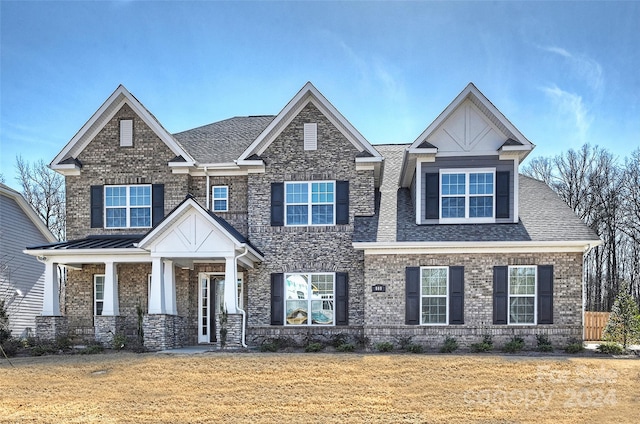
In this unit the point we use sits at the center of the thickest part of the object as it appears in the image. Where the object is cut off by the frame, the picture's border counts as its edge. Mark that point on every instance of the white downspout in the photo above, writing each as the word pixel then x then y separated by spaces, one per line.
pixel 244 314
pixel 207 188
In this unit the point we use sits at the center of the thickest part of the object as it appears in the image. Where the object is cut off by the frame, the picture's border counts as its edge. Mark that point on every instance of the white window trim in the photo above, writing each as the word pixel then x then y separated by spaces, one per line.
pixel 128 206
pixel 467 196
pixel 309 300
pixel 309 204
pixel 95 298
pixel 534 295
pixel 439 296
pixel 213 198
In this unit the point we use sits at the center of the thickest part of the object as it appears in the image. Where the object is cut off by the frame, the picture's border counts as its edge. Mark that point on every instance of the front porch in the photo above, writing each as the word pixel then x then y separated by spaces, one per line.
pixel 178 284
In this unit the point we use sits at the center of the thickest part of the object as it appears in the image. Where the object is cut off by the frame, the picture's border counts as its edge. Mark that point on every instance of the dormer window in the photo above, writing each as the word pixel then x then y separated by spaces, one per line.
pixel 467 195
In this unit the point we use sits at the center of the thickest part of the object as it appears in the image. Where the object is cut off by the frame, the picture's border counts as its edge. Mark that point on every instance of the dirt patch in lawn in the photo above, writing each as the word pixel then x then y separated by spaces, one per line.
pixel 352 388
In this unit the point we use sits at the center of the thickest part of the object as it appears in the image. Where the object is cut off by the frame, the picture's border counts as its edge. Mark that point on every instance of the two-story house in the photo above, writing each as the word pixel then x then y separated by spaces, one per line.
pixel 294 225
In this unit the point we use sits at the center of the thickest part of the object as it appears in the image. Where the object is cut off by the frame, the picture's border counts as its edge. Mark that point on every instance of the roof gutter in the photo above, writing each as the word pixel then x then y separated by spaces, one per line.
pixel 375 248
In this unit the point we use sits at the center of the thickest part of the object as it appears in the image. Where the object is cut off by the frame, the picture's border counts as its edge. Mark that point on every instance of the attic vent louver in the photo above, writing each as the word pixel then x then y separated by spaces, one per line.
pixel 126 132
pixel 310 136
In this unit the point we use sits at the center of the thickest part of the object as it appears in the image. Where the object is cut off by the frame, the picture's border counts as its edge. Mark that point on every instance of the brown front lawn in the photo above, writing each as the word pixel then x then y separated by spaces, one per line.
pixel 305 387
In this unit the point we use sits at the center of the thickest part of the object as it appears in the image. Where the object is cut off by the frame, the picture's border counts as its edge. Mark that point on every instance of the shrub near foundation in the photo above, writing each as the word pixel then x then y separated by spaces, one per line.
pixel 485 345
pixel 450 345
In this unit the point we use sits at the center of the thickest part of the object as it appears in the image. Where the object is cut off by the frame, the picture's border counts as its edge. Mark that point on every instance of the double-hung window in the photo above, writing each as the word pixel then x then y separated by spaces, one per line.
pixel 220 198
pixel 467 195
pixel 433 295
pixel 127 206
pixel 309 298
pixel 310 203
pixel 98 294
pixel 522 294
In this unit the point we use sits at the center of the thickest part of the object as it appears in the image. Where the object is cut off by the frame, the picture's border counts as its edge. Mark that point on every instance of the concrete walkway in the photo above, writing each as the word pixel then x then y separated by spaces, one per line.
pixel 191 350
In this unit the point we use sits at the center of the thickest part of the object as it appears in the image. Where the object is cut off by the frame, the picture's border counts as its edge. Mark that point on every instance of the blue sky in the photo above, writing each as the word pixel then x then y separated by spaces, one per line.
pixel 564 73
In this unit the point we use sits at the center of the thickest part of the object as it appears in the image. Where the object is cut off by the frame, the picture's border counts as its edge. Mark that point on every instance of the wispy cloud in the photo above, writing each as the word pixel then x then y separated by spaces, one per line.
pixel 583 67
pixel 375 72
pixel 573 106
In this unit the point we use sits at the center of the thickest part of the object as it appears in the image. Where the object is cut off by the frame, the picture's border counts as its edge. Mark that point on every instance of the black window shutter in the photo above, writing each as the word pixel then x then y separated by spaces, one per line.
pixel 545 294
pixel 456 295
pixel 500 294
pixel 342 202
pixel 157 203
pixel 432 202
pixel 342 298
pixel 97 206
pixel 277 204
pixel 502 194
pixel 277 299
pixel 412 311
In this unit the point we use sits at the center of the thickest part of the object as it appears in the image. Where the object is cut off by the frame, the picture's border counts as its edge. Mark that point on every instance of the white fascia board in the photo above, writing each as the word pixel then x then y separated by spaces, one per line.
pixel 182 209
pixel 416 248
pixel 370 159
pixel 250 162
pixel 417 151
pixel 79 256
pixel 470 90
pixel 67 167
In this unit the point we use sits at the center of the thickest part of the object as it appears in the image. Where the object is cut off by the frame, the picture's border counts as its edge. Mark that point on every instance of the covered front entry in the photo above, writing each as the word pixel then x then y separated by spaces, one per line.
pixel 189 238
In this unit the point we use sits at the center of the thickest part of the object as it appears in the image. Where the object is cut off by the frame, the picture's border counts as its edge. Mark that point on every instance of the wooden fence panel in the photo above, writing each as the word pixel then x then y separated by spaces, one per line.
pixel 594 324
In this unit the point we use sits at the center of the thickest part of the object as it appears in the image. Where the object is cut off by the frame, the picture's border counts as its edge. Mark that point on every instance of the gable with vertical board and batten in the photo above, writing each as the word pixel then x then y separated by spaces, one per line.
pixel 470 137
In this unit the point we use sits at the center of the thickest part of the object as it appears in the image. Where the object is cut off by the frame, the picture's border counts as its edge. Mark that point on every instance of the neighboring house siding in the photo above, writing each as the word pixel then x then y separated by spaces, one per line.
pixel 385 311
pixel 308 249
pixel 23 272
pixel 105 162
pixel 467 162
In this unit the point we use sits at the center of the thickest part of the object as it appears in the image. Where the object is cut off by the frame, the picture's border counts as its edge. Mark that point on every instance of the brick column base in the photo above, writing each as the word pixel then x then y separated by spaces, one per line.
pixel 106 327
pixel 51 327
pixel 163 331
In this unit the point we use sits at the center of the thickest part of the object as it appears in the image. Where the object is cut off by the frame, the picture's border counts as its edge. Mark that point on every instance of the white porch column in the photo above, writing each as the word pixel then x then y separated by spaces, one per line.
pixel 51 300
pixel 170 288
pixel 111 305
pixel 156 294
pixel 230 285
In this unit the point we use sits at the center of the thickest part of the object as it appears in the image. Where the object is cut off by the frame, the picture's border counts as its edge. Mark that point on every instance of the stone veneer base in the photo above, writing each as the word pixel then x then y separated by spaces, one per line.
pixel 51 327
pixel 106 327
pixel 163 331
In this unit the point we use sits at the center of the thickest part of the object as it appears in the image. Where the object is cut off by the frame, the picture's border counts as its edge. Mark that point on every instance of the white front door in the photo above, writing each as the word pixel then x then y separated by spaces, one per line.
pixel 210 294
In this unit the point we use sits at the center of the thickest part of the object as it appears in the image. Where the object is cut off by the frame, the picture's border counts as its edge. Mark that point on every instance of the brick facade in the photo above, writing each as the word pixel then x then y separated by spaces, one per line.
pixel 385 311
pixel 105 162
pixel 376 316
pixel 306 249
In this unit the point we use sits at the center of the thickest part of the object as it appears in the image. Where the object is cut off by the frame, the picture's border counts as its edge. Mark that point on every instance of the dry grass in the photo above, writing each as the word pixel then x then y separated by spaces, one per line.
pixel 352 388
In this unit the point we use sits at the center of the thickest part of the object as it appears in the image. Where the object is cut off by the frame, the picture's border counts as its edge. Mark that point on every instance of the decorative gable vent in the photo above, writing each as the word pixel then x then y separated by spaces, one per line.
pixel 126 133
pixel 310 136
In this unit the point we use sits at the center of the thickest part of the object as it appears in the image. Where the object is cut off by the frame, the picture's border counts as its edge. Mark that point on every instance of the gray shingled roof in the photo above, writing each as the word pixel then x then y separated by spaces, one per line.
pixel 543 215
pixel 224 141
pixel 547 217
